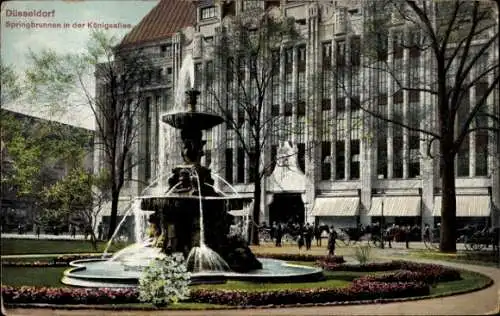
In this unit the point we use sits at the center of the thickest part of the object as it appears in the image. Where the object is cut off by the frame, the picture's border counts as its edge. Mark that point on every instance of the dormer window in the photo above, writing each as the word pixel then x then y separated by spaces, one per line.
pixel 208 12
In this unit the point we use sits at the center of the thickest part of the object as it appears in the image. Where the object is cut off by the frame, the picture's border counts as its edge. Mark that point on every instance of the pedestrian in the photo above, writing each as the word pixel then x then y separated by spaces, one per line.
pixel 331 241
pixel 73 231
pixel 427 232
pixel 308 234
pixel 407 236
pixel 317 235
pixel 279 235
pixel 300 241
pixel 99 231
pixel 37 231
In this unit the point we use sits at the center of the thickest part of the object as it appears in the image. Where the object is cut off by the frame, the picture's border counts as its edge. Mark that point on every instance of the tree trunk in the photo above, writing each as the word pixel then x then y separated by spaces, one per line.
pixel 256 203
pixel 448 203
pixel 114 214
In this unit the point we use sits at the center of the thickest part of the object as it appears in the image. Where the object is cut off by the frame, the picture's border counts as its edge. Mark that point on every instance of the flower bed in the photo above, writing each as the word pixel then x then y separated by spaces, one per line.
pixel 27 294
pixel 60 261
pixel 355 292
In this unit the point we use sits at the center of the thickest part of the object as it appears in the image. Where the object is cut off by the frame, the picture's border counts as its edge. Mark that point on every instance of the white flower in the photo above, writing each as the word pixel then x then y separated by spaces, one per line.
pixel 165 280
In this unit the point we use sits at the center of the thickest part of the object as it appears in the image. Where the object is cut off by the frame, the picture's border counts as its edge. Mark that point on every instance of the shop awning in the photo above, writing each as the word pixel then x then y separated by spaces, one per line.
pixel 395 206
pixel 336 206
pixel 238 213
pixel 467 206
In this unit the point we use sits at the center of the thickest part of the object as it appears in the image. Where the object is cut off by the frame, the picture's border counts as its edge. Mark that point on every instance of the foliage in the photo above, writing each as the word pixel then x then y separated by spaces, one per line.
pixel 165 281
pixel 9 80
pixel 362 253
pixel 35 150
pixel 117 105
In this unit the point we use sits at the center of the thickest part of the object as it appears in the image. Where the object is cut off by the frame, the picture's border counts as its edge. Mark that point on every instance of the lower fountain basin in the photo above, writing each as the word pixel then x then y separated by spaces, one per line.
pixel 106 273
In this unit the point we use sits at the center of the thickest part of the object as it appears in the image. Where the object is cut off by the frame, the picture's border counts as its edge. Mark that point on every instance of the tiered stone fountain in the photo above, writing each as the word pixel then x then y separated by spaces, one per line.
pixel 191 218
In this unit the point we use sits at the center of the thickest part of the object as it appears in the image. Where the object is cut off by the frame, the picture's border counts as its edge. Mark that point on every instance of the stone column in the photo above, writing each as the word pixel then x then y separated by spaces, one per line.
pixel 333 103
pixel 282 91
pixel 472 136
pixel 366 144
pixel 427 122
pixel 347 83
pixel 295 94
pixel 494 138
pixel 406 99
pixel 390 111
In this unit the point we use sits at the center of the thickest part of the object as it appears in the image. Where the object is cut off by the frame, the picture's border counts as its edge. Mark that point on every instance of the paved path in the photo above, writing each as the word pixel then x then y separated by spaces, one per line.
pixel 482 302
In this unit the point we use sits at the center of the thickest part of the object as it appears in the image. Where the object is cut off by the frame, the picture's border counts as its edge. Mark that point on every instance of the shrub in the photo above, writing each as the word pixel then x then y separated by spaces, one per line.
pixel 164 281
pixel 363 253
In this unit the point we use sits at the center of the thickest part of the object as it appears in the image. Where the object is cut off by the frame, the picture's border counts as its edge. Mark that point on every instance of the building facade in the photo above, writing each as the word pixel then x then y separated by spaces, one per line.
pixel 340 166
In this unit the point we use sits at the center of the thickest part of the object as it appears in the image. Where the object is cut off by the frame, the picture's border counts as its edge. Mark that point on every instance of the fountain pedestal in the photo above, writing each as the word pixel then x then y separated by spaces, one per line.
pixel 192 192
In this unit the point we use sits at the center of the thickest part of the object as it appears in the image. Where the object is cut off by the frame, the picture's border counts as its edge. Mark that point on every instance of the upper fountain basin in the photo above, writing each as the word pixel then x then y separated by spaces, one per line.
pixel 192 120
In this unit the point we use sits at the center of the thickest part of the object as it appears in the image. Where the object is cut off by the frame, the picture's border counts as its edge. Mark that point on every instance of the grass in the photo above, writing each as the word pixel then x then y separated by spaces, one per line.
pixel 485 258
pixel 470 281
pixel 39 246
pixel 19 276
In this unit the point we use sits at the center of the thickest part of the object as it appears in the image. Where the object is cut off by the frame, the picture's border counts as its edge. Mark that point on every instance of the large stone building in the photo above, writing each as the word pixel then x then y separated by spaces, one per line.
pixel 352 173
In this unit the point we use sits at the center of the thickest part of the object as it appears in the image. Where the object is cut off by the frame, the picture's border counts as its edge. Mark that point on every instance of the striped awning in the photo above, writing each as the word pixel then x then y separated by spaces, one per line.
pixel 395 206
pixel 467 206
pixel 336 206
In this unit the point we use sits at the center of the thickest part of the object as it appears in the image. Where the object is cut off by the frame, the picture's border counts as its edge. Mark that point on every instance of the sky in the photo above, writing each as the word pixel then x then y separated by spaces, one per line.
pixel 61 25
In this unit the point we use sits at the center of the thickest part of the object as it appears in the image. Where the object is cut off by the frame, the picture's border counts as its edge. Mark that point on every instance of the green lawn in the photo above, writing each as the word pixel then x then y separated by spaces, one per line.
pixel 485 258
pixel 19 276
pixel 39 246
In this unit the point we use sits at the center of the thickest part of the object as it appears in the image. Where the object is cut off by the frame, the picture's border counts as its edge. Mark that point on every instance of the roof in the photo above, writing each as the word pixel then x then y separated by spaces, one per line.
pixel 164 20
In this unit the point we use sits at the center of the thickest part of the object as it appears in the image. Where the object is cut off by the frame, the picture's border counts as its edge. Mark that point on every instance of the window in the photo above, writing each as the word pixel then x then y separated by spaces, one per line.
pixel 197 76
pixel 340 160
pixel 288 60
pixel 482 153
pixel 302 156
pixel 356 51
pixel 301 52
pixel 301 93
pixel 463 159
pixel 166 50
pixel 208 12
pixel 327 56
pixel 275 110
pixel 340 51
pixel 326 172
pixel 355 150
pixel 252 172
pixel 398 141
pixel 241 165
pixel 147 143
pixel 229 165
pixel 209 77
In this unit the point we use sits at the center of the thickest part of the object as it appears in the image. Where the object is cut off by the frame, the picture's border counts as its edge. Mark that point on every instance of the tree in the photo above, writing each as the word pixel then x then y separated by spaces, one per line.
pixel 456 39
pixel 11 87
pixel 35 150
pixel 80 195
pixel 118 104
pixel 246 59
